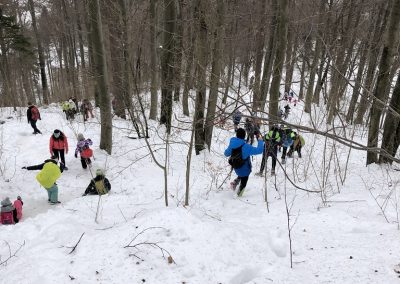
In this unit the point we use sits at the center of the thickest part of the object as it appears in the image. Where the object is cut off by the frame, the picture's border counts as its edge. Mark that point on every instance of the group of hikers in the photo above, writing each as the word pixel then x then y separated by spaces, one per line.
pixel 52 168
pixel 278 139
pixel 71 107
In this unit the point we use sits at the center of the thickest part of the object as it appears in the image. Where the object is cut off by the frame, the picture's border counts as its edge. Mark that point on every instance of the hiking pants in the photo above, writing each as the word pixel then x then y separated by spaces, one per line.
pixel 52 192
pixel 85 162
pixel 243 182
pixel 35 129
pixel 268 153
pixel 284 151
pixel 59 154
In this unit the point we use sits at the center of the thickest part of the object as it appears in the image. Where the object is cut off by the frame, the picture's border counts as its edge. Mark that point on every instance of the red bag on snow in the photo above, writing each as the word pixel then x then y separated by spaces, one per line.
pixel 7 218
pixel 87 153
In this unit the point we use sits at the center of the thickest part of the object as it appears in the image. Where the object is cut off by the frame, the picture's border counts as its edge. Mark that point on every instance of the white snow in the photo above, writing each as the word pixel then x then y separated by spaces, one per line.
pixel 218 238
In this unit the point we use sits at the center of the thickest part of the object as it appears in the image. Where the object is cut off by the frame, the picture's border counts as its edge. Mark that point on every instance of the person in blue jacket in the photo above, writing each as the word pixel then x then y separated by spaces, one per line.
pixel 287 141
pixel 247 150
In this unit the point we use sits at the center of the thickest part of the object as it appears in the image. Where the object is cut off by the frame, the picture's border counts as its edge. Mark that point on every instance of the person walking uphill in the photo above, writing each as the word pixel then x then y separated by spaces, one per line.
pixel 240 152
pixel 33 116
pixel 82 147
pixel 58 146
pixel 49 173
pixel 272 141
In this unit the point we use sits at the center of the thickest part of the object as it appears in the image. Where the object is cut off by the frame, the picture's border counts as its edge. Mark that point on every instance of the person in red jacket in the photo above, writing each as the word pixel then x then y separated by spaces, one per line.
pixel 59 145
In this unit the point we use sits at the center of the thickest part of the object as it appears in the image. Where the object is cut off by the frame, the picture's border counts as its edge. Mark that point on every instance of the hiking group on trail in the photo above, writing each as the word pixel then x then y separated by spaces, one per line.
pixel 278 139
pixel 51 169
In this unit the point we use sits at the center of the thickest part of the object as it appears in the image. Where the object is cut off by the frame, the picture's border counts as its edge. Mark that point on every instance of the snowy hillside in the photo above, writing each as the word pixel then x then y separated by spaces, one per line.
pixel 219 238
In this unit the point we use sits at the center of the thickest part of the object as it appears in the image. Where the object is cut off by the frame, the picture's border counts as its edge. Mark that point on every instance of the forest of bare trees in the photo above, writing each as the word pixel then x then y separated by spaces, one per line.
pixel 205 55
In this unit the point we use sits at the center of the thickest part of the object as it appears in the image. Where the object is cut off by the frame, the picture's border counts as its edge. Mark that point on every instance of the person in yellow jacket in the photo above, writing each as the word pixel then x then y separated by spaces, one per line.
pixel 47 177
pixel 66 108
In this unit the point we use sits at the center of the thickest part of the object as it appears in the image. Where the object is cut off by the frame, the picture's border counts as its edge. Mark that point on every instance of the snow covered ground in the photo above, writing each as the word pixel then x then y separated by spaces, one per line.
pixel 218 238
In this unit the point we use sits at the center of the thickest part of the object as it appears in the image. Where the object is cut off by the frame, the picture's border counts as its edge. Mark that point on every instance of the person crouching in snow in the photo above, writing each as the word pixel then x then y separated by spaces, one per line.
pixel 82 147
pixel 240 153
pixel 11 214
pixel 99 185
pixel 49 173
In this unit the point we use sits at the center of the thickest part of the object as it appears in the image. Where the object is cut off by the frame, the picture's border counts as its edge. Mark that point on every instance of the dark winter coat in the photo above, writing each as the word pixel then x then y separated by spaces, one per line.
pixel 91 189
pixel 247 151
pixel 40 166
pixel 29 113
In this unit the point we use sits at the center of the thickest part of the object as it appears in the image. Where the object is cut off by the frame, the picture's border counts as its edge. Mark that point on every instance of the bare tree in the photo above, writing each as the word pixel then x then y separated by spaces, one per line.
pixel 101 75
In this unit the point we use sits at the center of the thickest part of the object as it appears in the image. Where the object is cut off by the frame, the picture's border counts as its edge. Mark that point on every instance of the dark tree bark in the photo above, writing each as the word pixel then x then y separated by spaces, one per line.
pixel 201 57
pixel 390 41
pixel 100 69
pixel 282 21
pixel 153 61
pixel 42 63
pixel 390 139
pixel 167 62
pixel 215 74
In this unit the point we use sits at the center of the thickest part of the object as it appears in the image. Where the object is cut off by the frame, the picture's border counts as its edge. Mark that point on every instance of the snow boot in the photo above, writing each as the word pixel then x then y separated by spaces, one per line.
pixel 260 174
pixel 272 172
pixel 234 184
pixel 283 161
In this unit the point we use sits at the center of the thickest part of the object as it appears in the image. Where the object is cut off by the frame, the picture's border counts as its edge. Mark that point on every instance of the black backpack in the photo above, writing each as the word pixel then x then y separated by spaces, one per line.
pixel 236 160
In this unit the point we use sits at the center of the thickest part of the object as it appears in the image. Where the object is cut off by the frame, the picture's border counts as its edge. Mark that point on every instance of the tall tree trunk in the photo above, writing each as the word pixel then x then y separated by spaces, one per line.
pixel 42 63
pixel 178 52
pixel 201 44
pixel 167 69
pixel 215 74
pixel 153 61
pixel 391 125
pixel 373 47
pixel 390 42
pixel 268 59
pixel 259 52
pixel 100 68
pixel 357 85
pixel 282 21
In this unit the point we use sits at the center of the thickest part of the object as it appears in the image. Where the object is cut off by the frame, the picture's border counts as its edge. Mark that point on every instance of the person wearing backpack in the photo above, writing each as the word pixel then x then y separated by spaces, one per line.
pixel 33 116
pixel 58 145
pixel 272 141
pixel 11 214
pixel 239 152
pixel 49 173
pixel 83 149
pixel 99 185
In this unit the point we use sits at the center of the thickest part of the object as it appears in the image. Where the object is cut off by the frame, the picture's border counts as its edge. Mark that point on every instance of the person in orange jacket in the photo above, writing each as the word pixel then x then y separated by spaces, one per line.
pixel 58 146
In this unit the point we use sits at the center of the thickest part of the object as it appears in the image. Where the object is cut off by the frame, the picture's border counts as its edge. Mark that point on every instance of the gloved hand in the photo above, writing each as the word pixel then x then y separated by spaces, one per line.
pixel 76 155
pixel 24 168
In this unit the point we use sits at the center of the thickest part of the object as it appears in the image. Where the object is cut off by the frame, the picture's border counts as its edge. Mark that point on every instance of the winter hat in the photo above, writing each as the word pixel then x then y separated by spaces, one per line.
pixel 99 172
pixel 57 133
pixel 81 137
pixel 6 205
pixel 240 133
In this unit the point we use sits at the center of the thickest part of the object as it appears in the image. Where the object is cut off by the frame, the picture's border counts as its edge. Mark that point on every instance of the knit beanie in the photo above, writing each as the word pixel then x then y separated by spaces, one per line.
pixel 240 133
pixel 81 137
pixel 99 172
pixel 6 205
